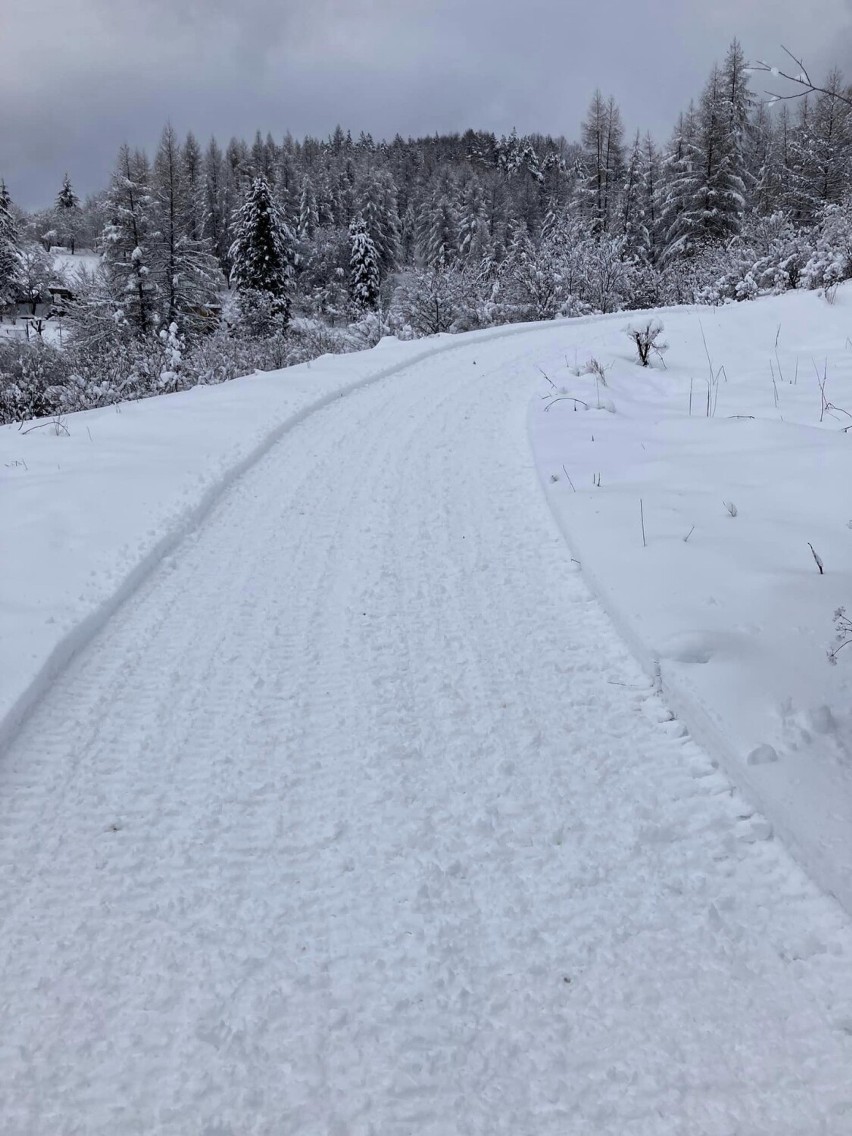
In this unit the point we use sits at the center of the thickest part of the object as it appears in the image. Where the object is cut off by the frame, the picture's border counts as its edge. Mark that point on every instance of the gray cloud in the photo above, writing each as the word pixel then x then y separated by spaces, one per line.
pixel 105 71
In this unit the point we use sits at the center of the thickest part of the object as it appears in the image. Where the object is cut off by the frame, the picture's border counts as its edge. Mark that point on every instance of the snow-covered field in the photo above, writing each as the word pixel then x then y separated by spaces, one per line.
pixel 69 264
pixel 357 816
pixel 733 609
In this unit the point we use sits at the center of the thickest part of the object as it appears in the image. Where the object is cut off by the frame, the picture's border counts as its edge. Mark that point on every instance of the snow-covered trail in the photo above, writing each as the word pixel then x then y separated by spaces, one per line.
pixel 359 819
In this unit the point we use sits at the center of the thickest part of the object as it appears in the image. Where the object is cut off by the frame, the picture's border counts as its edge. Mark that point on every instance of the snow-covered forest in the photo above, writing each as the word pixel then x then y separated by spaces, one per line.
pixel 215 262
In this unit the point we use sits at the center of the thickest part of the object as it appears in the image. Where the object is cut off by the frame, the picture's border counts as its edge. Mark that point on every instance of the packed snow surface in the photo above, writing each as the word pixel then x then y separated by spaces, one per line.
pixel 358 816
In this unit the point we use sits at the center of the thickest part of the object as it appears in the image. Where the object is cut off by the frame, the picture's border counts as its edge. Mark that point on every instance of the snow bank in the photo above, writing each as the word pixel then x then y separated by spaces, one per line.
pixel 729 610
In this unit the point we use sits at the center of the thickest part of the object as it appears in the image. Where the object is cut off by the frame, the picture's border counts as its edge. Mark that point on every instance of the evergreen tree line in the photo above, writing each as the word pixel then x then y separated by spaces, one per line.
pixel 452 232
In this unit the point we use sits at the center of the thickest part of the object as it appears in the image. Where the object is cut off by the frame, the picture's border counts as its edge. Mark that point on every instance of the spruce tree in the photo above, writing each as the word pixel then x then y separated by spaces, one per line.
pixel 67 218
pixel 364 265
pixel 377 206
pixel 262 253
pixel 67 198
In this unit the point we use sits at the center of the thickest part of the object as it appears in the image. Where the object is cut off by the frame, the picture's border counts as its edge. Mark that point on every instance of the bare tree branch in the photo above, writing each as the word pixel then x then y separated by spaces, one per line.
pixel 801 80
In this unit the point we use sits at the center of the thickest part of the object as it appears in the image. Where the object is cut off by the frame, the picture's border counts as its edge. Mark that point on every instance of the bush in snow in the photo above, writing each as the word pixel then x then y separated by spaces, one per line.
pixel 646 338
pixel 830 262
pixel 431 301
pixel 842 634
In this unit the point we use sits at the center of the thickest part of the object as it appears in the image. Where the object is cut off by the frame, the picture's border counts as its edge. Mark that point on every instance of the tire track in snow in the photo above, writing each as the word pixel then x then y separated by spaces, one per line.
pixel 343 825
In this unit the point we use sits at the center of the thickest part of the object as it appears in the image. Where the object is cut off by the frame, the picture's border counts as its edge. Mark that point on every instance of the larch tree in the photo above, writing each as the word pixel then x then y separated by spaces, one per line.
pixel 308 210
pixel 650 195
pixel 184 269
pixel 217 212
pixel 10 250
pixel 192 175
pixel 720 198
pixel 603 161
pixel 126 240
pixel 633 225
pixel 822 150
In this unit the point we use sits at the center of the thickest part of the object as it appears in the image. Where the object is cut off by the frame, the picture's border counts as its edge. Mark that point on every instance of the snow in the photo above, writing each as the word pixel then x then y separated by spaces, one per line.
pixel 357 815
pixel 69 264
pixel 89 509
pixel 726 600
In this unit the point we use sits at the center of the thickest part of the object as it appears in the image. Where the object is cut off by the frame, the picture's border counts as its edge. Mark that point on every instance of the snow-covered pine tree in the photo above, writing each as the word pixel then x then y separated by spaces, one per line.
pixel 325 201
pixel 603 161
pixel 437 237
pixel 10 250
pixel 763 162
pixel 308 211
pixel 217 208
pixel 650 196
pixel 720 198
pixel 473 237
pixel 126 240
pixel 739 102
pixel 822 151
pixel 377 206
pixel 364 265
pixel 262 254
pixel 67 198
pixel 633 226
pixel 183 268
pixel 408 234
pixel 67 218
pixel 192 172
pixel 264 158
pixel 679 222
pixel 285 187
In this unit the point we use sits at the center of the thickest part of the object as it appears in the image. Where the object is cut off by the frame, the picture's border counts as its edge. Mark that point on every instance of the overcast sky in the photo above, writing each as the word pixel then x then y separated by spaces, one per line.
pixel 78 77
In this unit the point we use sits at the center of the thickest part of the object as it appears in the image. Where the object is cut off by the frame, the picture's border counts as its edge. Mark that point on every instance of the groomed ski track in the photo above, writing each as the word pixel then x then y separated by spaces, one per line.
pixel 358 818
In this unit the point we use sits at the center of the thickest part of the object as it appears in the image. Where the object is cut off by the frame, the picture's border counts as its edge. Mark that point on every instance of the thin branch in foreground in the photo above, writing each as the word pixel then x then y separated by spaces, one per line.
pixel 566 398
pixel 801 80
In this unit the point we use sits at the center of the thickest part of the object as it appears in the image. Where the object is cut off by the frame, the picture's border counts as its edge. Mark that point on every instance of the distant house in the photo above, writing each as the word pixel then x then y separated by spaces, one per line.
pixel 61 296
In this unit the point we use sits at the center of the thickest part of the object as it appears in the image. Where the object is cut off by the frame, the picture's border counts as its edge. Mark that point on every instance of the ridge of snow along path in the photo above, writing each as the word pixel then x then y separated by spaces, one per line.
pixel 358 817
